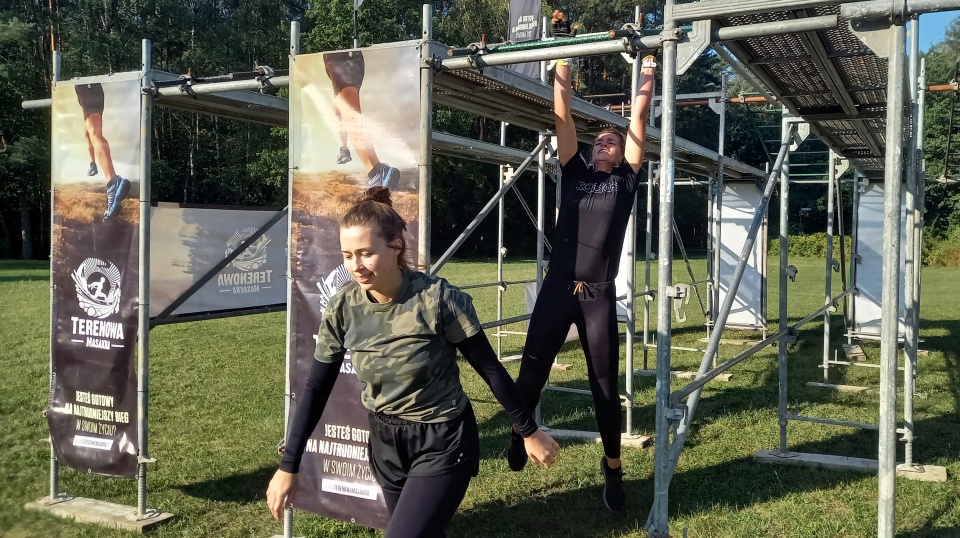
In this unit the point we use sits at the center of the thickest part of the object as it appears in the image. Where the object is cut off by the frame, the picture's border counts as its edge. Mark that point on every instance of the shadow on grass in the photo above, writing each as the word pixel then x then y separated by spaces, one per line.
pixel 738 484
pixel 240 489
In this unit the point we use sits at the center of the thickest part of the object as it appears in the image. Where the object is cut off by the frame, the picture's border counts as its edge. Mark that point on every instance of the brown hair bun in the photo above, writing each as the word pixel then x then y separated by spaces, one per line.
pixel 377 194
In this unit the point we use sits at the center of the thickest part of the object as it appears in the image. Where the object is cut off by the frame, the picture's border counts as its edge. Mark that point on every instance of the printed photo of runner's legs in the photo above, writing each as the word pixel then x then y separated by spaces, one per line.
pixel 90 97
pixel 346 70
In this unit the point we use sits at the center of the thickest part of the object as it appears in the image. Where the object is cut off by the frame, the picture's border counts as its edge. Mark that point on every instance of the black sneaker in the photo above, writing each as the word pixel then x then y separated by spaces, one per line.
pixel 344 156
pixel 122 190
pixel 92 171
pixel 516 453
pixel 613 495
pixel 383 175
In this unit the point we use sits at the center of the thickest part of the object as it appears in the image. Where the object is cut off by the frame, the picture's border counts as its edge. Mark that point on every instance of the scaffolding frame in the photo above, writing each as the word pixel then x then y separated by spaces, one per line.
pixel 850 123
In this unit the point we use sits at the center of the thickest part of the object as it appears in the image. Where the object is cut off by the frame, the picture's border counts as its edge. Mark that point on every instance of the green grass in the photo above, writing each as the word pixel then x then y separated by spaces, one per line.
pixel 216 416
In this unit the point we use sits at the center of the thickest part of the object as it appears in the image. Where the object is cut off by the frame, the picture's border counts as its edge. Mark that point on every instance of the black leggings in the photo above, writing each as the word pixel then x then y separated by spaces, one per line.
pixel 592 308
pixel 426 504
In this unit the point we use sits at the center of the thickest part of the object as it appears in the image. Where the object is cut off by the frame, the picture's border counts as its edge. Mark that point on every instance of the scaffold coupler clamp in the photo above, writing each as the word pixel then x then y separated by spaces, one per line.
pixel 677 413
pixel 146 459
pixel 671 35
pixel 680 293
pixel 433 62
pixel 790 336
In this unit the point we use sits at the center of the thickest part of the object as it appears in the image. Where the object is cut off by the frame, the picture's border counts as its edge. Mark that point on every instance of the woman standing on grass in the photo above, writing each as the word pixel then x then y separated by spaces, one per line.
pixel 403 329
pixel 595 204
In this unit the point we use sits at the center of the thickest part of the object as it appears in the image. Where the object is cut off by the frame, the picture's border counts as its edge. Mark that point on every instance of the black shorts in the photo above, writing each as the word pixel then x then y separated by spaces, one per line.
pixel 90 97
pixel 400 448
pixel 345 69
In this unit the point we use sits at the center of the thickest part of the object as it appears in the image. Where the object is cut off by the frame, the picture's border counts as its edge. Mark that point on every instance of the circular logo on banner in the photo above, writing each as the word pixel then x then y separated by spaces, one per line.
pixel 98 287
pixel 255 256
pixel 331 285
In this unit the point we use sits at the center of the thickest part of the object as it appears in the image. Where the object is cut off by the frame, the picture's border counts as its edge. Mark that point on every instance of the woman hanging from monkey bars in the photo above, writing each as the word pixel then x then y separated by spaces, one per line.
pixel 595 204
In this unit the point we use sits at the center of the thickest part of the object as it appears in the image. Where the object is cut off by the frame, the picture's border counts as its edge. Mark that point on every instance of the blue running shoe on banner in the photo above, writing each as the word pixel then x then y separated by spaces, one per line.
pixel 121 192
pixel 384 175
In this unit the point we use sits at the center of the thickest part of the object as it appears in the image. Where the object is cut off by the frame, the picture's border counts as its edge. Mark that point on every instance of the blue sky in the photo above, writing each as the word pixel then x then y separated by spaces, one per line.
pixel 933 26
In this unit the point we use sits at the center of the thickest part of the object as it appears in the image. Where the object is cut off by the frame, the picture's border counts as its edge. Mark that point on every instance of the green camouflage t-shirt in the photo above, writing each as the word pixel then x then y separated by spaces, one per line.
pixel 403 351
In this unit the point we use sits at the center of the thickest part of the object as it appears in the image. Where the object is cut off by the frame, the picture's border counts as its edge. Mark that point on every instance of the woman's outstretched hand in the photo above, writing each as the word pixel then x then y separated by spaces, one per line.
pixel 541 448
pixel 280 492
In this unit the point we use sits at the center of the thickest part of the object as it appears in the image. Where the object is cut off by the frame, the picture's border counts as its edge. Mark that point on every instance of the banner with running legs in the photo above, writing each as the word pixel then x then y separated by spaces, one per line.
pixel 354 123
pixel 92 411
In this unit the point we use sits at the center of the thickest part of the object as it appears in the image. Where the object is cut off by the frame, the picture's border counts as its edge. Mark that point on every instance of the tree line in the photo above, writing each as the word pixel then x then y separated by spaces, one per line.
pixel 204 159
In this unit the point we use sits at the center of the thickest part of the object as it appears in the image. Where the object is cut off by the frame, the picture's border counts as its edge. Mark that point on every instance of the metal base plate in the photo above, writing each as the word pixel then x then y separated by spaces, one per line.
pixel 103 513
pixel 928 473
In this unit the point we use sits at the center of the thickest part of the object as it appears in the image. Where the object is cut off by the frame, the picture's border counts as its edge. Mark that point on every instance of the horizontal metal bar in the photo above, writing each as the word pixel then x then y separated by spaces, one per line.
pixel 832 422
pixel 505 321
pixel 883 9
pixel 491 284
pixel 718 9
pixel 510 333
pixel 219 87
pixel 728 33
pixel 560 51
pixel 765 29
pixel 861 364
pixel 565 389
pixel 186 318
pixel 698 383
pixel 862 425
pixel 37 103
pixel 654 346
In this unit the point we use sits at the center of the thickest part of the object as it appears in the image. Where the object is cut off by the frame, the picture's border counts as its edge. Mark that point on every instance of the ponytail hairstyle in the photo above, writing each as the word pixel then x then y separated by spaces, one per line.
pixel 375 209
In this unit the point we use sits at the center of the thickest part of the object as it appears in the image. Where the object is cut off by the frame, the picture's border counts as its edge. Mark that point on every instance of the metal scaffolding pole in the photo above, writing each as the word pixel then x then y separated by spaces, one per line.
pixel 424 187
pixel 890 298
pixel 921 184
pixel 631 240
pixel 501 251
pixel 54 462
pixel 782 299
pixel 828 278
pixel 658 523
pixel 143 301
pixel 292 142
pixel 718 209
pixel 911 263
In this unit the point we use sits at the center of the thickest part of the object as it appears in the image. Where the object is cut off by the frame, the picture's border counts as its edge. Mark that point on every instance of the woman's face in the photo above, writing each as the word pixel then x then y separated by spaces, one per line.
pixel 606 149
pixel 368 257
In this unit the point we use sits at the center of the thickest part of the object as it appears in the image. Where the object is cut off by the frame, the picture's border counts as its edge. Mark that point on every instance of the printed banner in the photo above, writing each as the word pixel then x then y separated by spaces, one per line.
pixel 92 412
pixel 186 243
pixel 868 278
pixel 740 202
pixel 355 122
pixel 524 25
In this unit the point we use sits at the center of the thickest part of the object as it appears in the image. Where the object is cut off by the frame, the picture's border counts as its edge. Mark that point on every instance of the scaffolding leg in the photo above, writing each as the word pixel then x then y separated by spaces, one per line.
pixel 890 298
